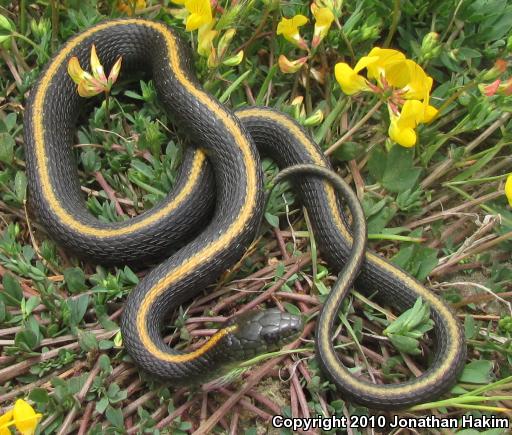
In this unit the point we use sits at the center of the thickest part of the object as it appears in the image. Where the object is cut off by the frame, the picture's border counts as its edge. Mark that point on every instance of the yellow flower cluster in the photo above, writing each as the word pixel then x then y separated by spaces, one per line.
pixel 289 29
pixel 198 16
pixel 93 84
pixel 400 81
pixel 22 417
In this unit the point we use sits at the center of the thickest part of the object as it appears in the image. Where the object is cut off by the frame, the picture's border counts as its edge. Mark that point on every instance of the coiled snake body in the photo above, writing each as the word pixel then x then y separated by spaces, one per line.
pixel 226 151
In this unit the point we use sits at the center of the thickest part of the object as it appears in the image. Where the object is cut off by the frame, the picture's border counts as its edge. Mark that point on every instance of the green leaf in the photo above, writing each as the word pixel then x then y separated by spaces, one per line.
pixel 115 416
pixel 469 327
pixel 101 405
pixel 273 220
pixel 39 395
pixel 31 303
pixel 6 147
pixel 26 340
pixel 10 121
pixel 75 279
pixel 104 363
pixel 477 372
pixel 6 28
pixel 77 308
pixel 416 259
pixel 90 161
pixel 400 173
pixel 12 294
pixel 87 341
pixel 378 221
pixel 105 344
pixel 5 24
pixel 405 344
pixel 134 95
pixel 292 309
pixel 3 311
pixel 233 86
pixel 20 186
pixel 377 163
pixel 348 151
pixel 130 276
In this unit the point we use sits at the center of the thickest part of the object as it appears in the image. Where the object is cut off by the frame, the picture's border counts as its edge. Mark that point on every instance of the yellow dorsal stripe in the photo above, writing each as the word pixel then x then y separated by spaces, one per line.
pixel 245 214
pixel 42 158
pixel 421 291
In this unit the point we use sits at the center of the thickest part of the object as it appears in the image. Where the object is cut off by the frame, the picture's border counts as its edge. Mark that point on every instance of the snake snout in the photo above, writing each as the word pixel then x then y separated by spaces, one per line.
pixel 279 328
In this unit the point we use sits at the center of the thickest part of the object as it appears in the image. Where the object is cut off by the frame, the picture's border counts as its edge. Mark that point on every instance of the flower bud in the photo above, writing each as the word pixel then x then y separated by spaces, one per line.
pixel 314 119
pixel 491 89
pixel 506 88
pixel 234 60
pixel 213 60
pixel 297 101
pixel 369 31
pixel 41 28
pixel 225 41
pixel 430 46
pixel 498 69
pixel 290 66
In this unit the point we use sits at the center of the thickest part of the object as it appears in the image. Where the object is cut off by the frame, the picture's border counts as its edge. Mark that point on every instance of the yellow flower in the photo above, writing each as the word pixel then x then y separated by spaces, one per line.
pixel 408 76
pixel 289 28
pixel 349 79
pixel 508 189
pixel 129 6
pixel 200 14
pixel 401 82
pixel 429 112
pixel 402 126
pixel 91 85
pixel 290 66
pixel 5 422
pixel 389 68
pixel 379 60
pixel 25 418
pixel 323 20
pixel 205 37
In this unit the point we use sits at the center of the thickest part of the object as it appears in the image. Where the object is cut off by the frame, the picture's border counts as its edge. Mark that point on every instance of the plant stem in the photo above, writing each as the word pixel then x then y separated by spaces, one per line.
pixel 55 23
pixel 476 180
pixel 24 38
pixel 107 109
pixel 482 206
pixel 394 23
pixel 395 237
pixel 23 16
pixel 443 167
pixel 356 127
pixel 454 96
pixel 347 42
pixel 309 104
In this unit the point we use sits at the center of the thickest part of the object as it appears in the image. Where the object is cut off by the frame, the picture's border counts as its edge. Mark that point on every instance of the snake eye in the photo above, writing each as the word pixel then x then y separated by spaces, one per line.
pixel 280 328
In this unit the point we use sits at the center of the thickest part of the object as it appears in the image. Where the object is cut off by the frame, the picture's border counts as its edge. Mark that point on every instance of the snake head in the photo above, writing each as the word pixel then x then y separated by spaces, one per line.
pixel 263 331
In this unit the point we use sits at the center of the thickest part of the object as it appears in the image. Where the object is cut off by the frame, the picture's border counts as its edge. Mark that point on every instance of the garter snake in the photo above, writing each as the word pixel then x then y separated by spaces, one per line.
pixel 228 156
